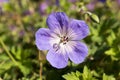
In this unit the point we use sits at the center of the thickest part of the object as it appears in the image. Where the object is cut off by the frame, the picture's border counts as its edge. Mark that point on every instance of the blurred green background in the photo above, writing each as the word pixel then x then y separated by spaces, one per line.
pixel 21 60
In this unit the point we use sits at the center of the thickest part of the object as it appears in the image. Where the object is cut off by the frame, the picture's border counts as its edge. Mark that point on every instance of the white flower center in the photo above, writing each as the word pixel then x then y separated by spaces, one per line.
pixel 63 41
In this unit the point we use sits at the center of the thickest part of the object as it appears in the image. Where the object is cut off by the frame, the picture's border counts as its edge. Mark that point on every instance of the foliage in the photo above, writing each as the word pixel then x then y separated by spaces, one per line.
pixel 86 75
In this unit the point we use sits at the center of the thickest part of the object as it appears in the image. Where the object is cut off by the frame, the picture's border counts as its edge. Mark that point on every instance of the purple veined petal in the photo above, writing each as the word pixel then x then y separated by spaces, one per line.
pixel 78 53
pixel 77 30
pixel 43 36
pixel 57 58
pixel 57 22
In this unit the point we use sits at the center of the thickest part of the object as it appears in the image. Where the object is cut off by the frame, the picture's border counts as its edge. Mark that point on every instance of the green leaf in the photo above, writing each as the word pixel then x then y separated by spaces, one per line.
pixel 113 53
pixel 72 76
pixel 24 69
pixel 111 38
pixel 3 57
pixel 110 52
pixel 78 73
pixel 86 74
pixel 7 7
pixel 5 65
pixel 106 77
pixel 16 52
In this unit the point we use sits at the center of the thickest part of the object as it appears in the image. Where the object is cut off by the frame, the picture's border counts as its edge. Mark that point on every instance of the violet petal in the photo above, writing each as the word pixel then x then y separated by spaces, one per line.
pixel 77 30
pixel 43 36
pixel 57 59
pixel 79 53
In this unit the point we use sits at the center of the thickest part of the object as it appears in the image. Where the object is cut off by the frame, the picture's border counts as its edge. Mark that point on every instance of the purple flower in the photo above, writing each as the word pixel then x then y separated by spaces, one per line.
pixel 57 3
pixel 62 40
pixel 27 12
pixel 91 5
pixel 43 6
pixel 102 1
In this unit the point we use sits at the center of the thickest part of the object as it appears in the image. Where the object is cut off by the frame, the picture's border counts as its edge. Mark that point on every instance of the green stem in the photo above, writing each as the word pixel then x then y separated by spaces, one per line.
pixel 8 53
pixel 41 66
pixel 41 70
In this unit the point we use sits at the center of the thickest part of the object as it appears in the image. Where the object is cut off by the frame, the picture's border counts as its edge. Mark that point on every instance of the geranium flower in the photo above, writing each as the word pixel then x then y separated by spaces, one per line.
pixel 62 39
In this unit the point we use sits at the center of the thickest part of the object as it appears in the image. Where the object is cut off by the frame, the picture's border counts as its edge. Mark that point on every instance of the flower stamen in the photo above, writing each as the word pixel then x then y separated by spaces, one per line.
pixel 64 40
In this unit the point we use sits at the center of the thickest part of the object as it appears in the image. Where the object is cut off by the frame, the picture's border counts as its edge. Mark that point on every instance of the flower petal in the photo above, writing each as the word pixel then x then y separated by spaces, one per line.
pixel 43 36
pixel 57 59
pixel 57 22
pixel 77 30
pixel 79 52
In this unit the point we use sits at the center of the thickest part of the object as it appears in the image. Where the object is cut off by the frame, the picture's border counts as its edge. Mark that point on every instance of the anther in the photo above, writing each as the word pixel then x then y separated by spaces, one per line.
pixel 64 40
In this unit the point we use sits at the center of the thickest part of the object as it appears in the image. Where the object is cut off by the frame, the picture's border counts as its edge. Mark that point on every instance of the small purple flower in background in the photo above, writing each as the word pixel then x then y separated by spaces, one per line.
pixel 118 1
pixel 102 1
pixel 90 6
pixel 62 39
pixel 12 27
pixel 21 33
pixel 27 12
pixel 45 4
pixel 57 3
pixel 42 8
